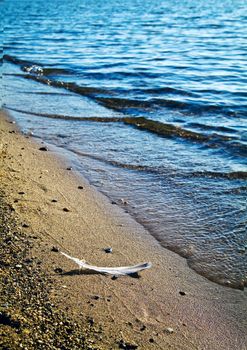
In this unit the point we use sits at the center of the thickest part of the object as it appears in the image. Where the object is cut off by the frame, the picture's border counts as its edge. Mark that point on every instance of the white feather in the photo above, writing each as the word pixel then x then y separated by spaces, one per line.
pixel 116 271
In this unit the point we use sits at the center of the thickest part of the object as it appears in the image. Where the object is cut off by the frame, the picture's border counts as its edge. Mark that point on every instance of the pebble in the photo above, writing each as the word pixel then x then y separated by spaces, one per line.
pixel 124 201
pixel 80 187
pixel 54 200
pixel 55 249
pixel 66 210
pixel 91 321
pixel 21 192
pixel 108 250
pixel 58 270
pixel 44 148
pixel 182 293
pixel 69 168
pixel 18 266
pixel 25 225
pixel 127 346
pixel 169 330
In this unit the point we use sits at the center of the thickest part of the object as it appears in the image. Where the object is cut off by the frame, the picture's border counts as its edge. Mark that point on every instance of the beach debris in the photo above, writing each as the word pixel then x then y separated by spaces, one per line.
pixel 43 148
pixel 115 271
pixel 108 250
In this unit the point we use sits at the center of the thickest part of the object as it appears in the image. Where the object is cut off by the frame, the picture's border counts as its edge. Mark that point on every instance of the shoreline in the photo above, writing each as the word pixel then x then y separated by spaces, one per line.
pixel 82 222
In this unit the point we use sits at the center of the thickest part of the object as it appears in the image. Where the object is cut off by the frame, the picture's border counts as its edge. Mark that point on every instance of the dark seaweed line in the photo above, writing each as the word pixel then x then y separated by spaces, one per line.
pixel 42 74
pixel 141 123
pixel 147 169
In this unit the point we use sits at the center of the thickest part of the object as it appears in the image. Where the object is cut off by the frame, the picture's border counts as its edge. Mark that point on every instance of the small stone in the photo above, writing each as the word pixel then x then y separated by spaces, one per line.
pixel 143 328
pixel 108 250
pixel 80 187
pixel 66 210
pixel 25 225
pixel 91 321
pixel 21 192
pixel 151 340
pixel 28 261
pixel 95 297
pixel 69 168
pixel 18 266
pixel 182 292
pixel 55 249
pixel 169 330
pixel 44 148
pixel 114 277
pixel 124 201
pixel 58 270
pixel 127 346
pixel 54 200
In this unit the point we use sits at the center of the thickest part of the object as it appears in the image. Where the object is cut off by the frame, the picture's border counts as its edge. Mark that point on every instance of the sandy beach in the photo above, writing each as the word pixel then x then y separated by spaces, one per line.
pixel 168 307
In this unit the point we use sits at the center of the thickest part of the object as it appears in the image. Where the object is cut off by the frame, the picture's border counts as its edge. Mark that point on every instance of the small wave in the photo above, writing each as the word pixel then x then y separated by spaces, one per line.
pixel 162 129
pixel 66 117
pixel 241 175
pixel 141 123
pixel 45 75
pixel 211 127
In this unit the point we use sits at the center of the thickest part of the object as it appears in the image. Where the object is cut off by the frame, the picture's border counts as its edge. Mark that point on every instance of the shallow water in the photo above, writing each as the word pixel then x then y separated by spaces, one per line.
pixel 148 99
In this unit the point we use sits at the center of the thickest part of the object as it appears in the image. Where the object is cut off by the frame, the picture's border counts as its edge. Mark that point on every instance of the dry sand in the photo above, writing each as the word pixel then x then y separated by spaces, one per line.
pixel 169 307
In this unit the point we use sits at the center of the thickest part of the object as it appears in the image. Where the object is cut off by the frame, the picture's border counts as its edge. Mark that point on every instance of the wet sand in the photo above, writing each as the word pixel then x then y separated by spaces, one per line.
pixel 168 307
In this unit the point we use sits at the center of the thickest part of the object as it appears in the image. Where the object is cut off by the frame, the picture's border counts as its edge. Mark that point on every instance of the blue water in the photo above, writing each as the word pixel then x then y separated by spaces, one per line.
pixel 148 99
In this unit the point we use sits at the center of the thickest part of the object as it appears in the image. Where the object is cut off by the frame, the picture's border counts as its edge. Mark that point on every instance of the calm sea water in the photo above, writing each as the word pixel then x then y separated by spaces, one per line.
pixel 148 99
